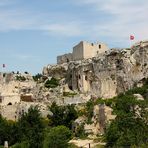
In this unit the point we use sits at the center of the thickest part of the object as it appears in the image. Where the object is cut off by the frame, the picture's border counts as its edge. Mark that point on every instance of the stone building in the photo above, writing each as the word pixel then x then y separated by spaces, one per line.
pixel 83 50
pixel 86 50
pixel 9 99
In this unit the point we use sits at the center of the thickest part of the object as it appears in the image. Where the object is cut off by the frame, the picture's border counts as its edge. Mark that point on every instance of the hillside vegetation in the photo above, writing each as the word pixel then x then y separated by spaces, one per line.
pixel 129 129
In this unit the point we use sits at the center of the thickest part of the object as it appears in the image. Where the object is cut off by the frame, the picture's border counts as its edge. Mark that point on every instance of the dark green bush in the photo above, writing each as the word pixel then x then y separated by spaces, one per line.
pixel 20 78
pixel 52 83
pixel 37 77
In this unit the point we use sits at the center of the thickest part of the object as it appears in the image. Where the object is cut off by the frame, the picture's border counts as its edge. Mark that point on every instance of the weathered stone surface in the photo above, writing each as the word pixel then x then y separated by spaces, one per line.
pixel 56 71
pixel 110 74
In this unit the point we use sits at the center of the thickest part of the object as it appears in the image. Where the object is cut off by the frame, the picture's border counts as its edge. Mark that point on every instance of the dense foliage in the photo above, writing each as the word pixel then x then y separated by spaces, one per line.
pixel 30 128
pixel 130 128
pixel 20 78
pixel 89 110
pixel 7 129
pixel 52 83
pixel 58 137
pixel 31 131
pixel 63 115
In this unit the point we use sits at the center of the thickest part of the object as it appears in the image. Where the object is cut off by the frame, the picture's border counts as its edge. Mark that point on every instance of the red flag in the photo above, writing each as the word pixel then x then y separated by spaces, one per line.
pixel 4 65
pixel 132 37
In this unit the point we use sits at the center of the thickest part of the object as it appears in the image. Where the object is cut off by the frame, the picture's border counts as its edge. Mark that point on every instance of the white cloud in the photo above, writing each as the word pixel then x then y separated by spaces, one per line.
pixel 24 57
pixel 66 29
pixel 26 20
pixel 6 2
pixel 126 17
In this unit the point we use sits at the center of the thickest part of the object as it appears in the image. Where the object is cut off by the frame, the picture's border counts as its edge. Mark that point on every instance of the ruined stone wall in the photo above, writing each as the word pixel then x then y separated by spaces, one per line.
pixel 83 50
pixel 64 58
pixel 94 49
pixel 78 52
pixel 86 50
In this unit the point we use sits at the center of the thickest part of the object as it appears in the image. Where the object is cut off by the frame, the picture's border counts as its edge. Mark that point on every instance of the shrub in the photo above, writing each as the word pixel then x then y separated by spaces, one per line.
pixel 52 83
pixel 37 77
pixel 80 132
pixel 69 94
pixel 58 137
pixel 63 115
pixel 20 78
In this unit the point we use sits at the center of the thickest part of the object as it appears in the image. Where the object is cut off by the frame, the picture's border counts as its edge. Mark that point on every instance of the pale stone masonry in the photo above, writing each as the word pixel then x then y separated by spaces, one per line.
pixel 86 50
pixel 64 58
pixel 83 50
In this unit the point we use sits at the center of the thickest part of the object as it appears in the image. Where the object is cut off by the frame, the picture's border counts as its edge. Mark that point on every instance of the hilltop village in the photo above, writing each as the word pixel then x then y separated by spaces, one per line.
pixel 91 71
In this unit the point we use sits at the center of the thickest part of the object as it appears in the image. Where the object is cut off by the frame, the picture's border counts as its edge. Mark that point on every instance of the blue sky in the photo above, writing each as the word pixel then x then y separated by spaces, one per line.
pixel 34 32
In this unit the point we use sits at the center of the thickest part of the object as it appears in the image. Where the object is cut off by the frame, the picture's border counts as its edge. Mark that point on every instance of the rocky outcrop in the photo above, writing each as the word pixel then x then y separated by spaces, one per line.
pixel 105 75
pixel 108 75
pixel 56 71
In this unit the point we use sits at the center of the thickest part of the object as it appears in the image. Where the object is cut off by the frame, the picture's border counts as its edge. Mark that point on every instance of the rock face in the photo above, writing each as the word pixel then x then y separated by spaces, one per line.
pixel 110 74
pixel 56 71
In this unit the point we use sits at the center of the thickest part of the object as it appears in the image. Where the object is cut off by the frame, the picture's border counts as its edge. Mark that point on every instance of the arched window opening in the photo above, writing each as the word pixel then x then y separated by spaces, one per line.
pixel 9 103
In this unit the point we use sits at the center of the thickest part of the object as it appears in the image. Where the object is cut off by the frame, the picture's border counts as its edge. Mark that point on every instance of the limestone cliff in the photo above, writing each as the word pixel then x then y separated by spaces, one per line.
pixel 108 74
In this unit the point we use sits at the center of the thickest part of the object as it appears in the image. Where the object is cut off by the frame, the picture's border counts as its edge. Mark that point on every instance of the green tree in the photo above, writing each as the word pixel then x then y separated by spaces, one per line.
pixel 58 137
pixel 7 129
pixel 63 115
pixel 30 128
pixel 3 129
pixel 130 126
pixel 89 110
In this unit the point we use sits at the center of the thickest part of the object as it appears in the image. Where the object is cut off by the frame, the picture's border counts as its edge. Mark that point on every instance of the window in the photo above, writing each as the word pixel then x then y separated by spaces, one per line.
pixel 67 60
pixel 86 78
pixel 99 46
pixel 9 103
pixel 70 76
pixel 79 77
